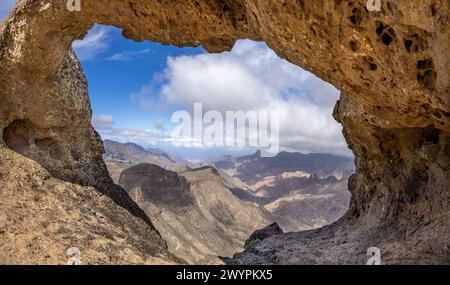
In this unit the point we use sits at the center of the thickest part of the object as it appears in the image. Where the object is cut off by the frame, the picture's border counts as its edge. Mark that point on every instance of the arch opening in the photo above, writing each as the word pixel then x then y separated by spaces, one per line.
pixel 136 88
pixel 394 103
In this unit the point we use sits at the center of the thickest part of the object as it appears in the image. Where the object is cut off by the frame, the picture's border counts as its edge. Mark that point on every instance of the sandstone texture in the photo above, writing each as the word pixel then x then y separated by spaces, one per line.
pixel 41 217
pixel 392 67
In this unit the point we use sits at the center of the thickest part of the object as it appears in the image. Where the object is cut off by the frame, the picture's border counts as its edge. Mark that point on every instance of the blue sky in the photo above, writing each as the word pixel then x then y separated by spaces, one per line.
pixel 135 88
pixel 117 68
pixel 5 7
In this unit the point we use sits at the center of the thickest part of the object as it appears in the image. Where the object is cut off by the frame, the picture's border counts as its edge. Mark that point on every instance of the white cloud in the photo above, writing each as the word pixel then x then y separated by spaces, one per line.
pixel 94 44
pixel 253 77
pixel 105 125
pixel 220 82
pixel 308 127
pixel 103 122
pixel 5 7
pixel 139 136
pixel 130 55
pixel 160 125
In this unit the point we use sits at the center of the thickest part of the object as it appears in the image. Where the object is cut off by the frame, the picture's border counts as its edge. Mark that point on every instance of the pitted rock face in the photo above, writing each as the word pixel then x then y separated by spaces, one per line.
pixel 392 67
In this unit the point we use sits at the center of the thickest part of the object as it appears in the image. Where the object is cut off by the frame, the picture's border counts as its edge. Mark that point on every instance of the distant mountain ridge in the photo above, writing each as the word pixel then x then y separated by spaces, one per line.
pixel 133 153
pixel 299 191
pixel 120 156
pixel 252 168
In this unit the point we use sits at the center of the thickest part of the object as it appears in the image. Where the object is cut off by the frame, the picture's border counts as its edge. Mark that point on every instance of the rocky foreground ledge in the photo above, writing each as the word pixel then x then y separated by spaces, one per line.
pixel 393 70
pixel 41 217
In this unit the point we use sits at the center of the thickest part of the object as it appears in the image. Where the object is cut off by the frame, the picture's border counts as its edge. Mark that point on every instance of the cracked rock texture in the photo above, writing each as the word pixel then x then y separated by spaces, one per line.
pixel 392 67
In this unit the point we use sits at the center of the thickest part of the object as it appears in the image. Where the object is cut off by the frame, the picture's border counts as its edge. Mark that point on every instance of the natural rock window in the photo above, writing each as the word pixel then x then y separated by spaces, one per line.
pixel 206 201
pixel 400 191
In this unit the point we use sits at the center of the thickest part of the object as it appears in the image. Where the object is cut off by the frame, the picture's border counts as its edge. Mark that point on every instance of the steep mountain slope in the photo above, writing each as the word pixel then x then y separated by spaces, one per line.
pixel 194 211
pixel 132 154
pixel 296 200
pixel 41 217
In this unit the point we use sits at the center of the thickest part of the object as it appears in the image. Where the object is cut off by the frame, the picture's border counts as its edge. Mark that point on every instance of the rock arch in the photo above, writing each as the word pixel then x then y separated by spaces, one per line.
pixel 393 68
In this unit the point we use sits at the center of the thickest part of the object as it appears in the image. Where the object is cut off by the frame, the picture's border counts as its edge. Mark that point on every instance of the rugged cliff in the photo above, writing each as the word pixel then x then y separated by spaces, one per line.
pixel 392 67
pixel 197 215
pixel 41 217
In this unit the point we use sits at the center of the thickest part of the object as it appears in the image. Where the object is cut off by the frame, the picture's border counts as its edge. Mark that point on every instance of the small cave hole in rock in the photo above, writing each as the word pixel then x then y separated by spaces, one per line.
pixel 356 17
pixel 386 39
pixel 354 46
pixel 357 13
pixel 24 137
pixel 16 135
pixel 433 10
pixel 430 135
pixel 409 46
pixel 425 64
pixel 386 33
pixel 427 79
pixel 148 102
pixel 415 43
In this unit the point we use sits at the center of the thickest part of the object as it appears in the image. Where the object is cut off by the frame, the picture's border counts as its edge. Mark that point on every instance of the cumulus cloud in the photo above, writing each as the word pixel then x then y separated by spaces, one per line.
pixel 139 136
pixel 103 122
pixel 160 125
pixel 94 44
pixel 130 55
pixel 253 77
pixel 219 82
pixel 106 126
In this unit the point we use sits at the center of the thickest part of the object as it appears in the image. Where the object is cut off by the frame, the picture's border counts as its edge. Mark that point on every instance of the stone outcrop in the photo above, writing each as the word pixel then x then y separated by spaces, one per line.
pixel 392 67
pixel 262 234
pixel 41 217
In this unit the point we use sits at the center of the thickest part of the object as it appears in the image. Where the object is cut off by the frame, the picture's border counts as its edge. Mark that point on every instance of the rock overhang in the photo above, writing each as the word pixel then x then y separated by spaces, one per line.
pixel 392 67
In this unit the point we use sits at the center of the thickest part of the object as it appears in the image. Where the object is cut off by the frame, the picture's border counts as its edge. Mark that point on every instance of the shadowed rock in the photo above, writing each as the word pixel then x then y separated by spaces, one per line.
pixel 195 212
pixel 262 234
pixel 392 68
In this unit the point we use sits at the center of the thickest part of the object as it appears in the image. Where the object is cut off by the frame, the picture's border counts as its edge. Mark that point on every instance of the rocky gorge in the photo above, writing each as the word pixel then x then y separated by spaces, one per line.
pixel 391 66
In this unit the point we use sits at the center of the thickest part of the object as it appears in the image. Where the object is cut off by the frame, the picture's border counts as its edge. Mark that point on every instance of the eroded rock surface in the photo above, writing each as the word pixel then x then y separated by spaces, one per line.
pixel 262 234
pixel 392 67
pixel 41 217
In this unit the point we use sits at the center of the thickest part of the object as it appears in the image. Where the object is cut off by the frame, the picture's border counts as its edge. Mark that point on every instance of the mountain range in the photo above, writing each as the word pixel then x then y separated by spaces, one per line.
pixel 197 215
pixel 210 211
pixel 120 156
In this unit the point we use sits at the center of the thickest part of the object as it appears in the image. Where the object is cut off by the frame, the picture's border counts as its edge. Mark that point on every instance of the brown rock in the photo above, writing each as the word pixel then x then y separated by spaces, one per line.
pixel 41 217
pixel 392 67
